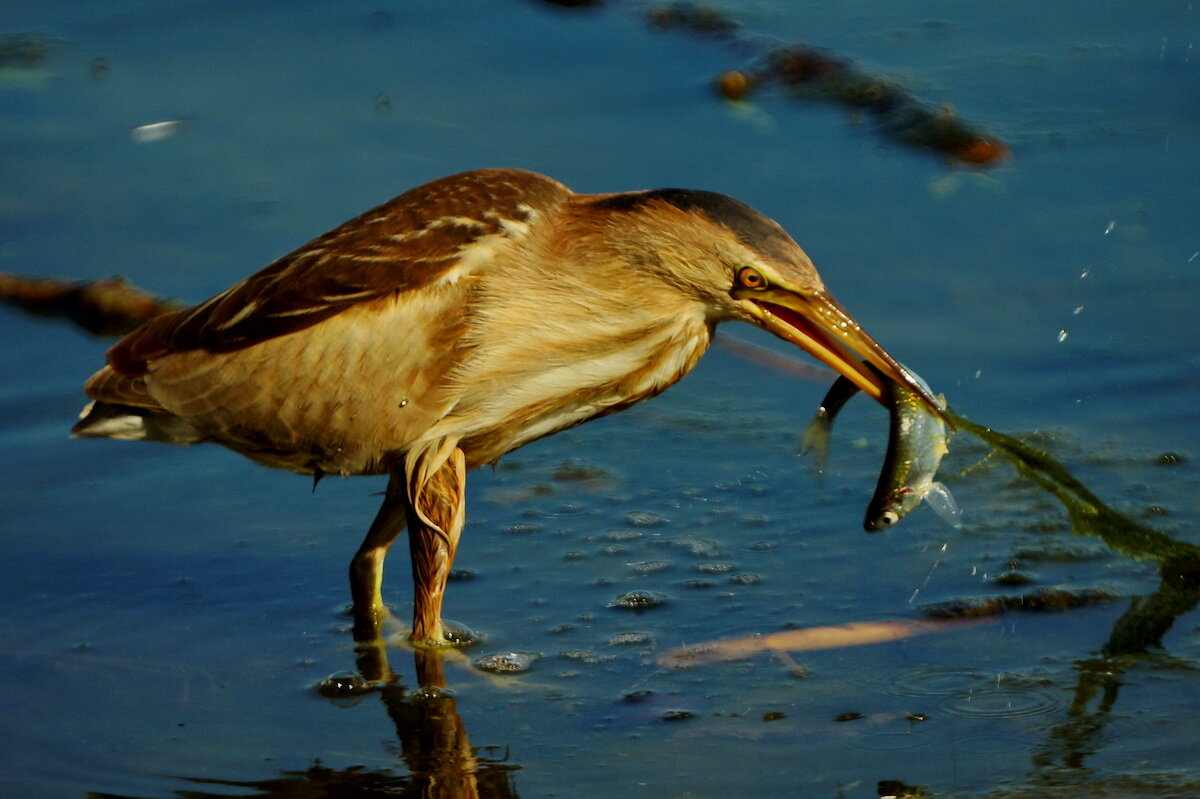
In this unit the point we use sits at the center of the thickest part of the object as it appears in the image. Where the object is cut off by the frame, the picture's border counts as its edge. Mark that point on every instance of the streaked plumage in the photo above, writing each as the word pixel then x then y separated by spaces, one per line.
pixel 455 323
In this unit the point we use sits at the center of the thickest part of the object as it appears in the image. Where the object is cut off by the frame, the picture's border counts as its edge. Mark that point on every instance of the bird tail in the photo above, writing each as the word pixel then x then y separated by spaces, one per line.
pixel 122 408
pixel 129 423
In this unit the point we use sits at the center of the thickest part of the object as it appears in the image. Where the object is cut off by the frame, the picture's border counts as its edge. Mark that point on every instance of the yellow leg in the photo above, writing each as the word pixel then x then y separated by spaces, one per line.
pixel 366 569
pixel 436 510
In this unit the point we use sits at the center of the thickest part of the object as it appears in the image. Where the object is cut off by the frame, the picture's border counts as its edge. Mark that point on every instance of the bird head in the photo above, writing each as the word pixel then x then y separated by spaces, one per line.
pixel 745 266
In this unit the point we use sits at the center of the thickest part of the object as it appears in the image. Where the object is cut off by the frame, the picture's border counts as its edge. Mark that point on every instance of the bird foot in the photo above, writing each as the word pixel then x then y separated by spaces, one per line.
pixel 369 624
pixel 446 633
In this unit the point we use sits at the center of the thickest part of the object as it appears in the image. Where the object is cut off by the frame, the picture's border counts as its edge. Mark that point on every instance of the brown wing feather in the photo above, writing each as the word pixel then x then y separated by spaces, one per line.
pixel 399 246
pixel 111 386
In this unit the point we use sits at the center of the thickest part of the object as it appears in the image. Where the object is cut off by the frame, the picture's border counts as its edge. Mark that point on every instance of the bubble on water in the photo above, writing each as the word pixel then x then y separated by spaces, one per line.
pixel 428 693
pixel 506 662
pixel 645 519
pixel 650 566
pixel 638 697
pixel 696 547
pixel 631 639
pixel 568 509
pixel 623 535
pixel 344 685
pixel 458 634
pixel 714 567
pixel 639 600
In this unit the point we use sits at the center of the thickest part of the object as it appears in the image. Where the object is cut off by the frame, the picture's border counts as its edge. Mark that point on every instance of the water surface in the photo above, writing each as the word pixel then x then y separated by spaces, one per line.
pixel 165 613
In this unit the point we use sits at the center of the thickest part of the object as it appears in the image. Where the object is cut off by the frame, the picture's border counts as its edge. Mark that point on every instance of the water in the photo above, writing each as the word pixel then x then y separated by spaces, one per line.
pixel 167 614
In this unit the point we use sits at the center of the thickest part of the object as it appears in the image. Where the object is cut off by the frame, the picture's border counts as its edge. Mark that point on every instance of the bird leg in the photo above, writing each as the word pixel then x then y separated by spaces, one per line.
pixel 436 477
pixel 366 568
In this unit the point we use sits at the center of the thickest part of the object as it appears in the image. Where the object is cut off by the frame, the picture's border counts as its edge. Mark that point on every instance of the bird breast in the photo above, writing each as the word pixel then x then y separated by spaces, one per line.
pixel 537 366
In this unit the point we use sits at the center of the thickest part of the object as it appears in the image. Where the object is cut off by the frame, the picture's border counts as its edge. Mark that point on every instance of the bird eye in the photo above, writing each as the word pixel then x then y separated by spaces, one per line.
pixel 750 278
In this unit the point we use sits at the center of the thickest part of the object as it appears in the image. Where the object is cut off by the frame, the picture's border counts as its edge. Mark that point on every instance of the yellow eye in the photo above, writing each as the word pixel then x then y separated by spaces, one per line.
pixel 750 278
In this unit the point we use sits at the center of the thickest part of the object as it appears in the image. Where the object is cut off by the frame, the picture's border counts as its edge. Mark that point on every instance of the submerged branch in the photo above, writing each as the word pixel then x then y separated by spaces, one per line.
pixel 1089 516
pixel 106 307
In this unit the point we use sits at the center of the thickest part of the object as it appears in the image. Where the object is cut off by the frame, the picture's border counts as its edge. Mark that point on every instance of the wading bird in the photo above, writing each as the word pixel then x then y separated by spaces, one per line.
pixel 455 323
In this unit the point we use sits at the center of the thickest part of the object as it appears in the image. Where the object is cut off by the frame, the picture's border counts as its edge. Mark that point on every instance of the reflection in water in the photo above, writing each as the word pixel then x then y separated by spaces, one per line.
pixel 439 761
pixel 432 742
pixel 1087 726
pixel 1139 630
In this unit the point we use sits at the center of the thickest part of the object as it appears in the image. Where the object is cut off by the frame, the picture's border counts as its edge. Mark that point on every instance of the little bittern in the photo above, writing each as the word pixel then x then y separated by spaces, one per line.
pixel 455 323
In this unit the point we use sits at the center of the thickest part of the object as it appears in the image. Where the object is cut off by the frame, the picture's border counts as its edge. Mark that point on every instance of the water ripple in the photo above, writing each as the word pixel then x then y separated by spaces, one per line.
pixel 1004 701
pixel 929 681
pixel 892 741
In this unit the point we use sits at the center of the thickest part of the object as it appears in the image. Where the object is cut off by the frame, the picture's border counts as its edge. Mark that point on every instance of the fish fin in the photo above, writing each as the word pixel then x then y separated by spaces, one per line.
pixel 944 505
pixel 816 440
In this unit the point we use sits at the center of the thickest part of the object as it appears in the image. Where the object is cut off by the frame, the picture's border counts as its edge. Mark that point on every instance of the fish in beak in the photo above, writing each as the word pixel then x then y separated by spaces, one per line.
pixel 815 322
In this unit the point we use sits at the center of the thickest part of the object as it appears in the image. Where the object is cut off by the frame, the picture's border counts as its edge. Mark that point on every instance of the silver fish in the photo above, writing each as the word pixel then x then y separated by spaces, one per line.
pixel 916 444
pixel 820 429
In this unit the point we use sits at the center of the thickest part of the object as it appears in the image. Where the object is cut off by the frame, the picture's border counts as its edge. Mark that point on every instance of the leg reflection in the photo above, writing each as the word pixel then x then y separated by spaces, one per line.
pixel 433 739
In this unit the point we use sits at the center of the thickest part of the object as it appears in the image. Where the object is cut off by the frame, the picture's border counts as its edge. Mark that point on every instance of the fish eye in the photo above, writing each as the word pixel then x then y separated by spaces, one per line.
pixel 750 278
pixel 888 518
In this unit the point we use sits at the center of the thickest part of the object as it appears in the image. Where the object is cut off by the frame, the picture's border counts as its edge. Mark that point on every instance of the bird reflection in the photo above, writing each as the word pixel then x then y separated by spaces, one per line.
pixel 439 761
pixel 1139 630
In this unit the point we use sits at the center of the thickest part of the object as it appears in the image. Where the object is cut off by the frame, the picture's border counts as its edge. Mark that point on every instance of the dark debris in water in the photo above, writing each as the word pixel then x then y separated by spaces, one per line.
pixel 676 715
pixel 22 51
pixel 106 307
pixel 576 471
pixel 895 789
pixel 811 73
pixel 1047 600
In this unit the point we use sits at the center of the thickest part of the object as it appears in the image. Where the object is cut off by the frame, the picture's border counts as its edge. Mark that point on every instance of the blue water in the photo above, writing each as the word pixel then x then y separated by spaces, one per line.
pixel 165 613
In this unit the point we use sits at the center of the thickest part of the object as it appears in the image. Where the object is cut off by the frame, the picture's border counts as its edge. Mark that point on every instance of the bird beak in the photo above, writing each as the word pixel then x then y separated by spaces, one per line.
pixel 816 323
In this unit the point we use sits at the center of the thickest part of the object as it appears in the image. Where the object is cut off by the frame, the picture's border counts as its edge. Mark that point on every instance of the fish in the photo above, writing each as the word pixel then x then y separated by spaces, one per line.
pixel 819 431
pixel 916 443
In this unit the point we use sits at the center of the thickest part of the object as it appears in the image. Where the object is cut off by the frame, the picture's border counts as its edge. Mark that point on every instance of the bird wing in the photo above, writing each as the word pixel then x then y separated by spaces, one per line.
pixel 412 241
